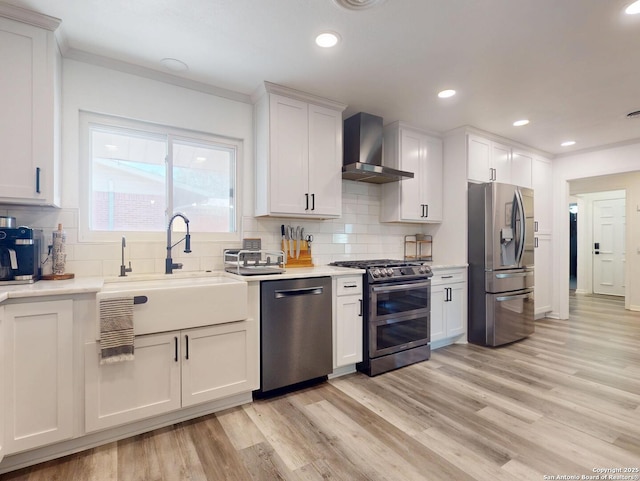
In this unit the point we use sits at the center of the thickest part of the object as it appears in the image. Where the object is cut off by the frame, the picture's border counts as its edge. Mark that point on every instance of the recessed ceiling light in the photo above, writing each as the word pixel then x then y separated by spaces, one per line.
pixel 568 143
pixel 633 8
pixel 445 94
pixel 327 39
pixel 520 123
pixel 174 64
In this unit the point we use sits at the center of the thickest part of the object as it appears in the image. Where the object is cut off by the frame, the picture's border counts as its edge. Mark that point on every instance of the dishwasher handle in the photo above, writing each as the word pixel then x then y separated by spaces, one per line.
pixel 305 291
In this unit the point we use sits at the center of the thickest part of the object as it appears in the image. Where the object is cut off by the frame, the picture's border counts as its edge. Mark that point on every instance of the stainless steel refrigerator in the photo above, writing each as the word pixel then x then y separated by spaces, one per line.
pixel 500 248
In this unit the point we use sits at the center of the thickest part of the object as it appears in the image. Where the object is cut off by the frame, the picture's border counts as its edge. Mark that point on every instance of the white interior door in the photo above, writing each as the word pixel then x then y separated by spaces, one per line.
pixel 609 246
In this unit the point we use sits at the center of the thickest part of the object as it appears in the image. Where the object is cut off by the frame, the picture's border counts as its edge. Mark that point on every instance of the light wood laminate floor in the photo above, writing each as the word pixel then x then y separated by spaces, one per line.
pixel 562 402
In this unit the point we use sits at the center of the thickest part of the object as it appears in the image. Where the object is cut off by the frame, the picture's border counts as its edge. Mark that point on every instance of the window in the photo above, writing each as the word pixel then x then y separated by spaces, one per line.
pixel 139 174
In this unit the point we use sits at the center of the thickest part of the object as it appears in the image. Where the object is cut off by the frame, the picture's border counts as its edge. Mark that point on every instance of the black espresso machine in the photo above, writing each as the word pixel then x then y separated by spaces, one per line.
pixel 20 251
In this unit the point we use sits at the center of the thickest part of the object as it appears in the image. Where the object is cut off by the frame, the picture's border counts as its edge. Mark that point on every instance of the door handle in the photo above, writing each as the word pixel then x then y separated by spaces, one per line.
pixel 596 247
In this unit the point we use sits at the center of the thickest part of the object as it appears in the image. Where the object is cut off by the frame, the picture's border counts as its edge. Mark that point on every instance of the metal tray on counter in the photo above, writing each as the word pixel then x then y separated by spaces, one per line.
pixel 251 262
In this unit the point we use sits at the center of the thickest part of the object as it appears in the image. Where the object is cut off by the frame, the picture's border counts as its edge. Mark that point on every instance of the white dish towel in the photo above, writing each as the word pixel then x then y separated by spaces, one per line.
pixel 116 329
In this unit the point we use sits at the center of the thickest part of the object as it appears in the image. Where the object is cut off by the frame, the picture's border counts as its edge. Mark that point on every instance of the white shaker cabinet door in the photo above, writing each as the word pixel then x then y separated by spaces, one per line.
pixel 479 159
pixel 28 123
pixel 218 361
pixel 289 170
pixel 38 359
pixel 348 335
pixel 325 161
pixel 123 392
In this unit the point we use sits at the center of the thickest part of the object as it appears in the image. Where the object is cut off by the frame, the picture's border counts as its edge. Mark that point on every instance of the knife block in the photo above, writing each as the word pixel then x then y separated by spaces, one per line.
pixel 305 259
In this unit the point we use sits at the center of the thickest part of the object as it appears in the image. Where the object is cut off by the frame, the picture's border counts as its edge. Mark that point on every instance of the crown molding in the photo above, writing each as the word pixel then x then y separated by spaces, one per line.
pixel 140 71
pixel 30 17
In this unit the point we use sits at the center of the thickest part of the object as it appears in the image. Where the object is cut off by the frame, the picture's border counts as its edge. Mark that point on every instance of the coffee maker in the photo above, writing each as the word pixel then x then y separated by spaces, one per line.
pixel 20 251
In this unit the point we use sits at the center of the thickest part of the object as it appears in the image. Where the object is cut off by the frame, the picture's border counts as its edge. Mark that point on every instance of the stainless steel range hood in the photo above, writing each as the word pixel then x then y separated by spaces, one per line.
pixel 362 157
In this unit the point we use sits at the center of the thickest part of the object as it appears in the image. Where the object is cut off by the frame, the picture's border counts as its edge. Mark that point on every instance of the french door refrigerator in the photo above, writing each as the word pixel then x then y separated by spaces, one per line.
pixel 500 250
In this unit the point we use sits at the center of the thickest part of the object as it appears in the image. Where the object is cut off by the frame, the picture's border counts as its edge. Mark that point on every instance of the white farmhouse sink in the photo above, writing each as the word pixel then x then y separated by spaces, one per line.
pixel 174 303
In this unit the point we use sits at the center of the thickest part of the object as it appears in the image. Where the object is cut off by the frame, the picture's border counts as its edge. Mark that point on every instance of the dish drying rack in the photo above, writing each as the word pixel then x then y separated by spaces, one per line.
pixel 252 262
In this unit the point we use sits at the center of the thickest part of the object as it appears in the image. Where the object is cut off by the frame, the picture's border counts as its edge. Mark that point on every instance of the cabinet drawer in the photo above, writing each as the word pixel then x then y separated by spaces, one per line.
pixel 349 285
pixel 448 276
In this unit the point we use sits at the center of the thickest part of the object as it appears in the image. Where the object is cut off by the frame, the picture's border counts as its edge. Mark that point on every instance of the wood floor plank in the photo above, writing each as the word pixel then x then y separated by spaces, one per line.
pixel 562 401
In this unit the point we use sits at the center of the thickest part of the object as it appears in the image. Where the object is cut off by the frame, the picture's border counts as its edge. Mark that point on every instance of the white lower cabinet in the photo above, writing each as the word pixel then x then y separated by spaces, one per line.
pixel 448 306
pixel 170 371
pixel 347 321
pixel 37 392
pixel 543 273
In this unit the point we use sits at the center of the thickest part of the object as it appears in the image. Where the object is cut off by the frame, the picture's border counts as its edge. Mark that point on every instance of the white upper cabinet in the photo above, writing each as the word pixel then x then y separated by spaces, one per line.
pixel 521 168
pixel 298 154
pixel 29 117
pixel 488 161
pixel 542 183
pixel 418 199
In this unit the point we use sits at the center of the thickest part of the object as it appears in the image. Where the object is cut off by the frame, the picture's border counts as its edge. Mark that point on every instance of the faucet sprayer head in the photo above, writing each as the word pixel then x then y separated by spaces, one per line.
pixel 187 243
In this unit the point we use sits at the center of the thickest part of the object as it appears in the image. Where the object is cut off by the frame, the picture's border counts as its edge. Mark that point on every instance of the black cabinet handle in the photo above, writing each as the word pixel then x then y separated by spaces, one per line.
pixel 426 210
pixel 306 207
pixel 360 313
pixel 37 180
pixel 313 201
pixel 175 340
pixel 186 339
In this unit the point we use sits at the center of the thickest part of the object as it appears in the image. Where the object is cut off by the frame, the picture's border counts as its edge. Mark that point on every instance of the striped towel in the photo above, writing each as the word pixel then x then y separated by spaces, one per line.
pixel 116 329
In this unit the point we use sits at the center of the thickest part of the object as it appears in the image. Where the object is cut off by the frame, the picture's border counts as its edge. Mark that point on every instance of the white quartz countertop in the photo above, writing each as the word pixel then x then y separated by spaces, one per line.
pixel 449 266
pixel 77 285
pixel 81 285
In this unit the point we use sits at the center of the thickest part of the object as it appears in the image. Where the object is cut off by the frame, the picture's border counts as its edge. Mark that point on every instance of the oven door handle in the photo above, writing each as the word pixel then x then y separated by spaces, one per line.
pixel 401 286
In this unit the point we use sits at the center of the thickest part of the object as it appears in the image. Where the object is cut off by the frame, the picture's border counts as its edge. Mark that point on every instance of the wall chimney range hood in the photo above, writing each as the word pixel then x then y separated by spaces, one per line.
pixel 362 156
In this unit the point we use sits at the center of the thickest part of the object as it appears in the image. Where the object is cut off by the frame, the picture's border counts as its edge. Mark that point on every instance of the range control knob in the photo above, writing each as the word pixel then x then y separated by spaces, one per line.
pixel 375 273
pixel 390 272
pixel 422 270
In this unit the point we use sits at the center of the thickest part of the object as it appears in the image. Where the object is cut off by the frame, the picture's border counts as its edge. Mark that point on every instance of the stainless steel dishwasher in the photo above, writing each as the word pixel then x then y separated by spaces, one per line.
pixel 295 339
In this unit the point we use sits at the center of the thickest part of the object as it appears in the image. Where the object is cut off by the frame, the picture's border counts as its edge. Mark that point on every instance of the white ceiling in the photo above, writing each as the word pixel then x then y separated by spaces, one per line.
pixel 570 66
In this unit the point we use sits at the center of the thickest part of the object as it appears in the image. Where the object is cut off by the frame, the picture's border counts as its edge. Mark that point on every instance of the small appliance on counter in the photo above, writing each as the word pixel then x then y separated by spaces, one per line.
pixel 251 260
pixel 20 251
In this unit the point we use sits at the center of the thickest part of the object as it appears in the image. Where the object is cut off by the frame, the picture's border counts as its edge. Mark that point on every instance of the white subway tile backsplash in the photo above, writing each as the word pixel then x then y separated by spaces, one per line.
pixel 357 234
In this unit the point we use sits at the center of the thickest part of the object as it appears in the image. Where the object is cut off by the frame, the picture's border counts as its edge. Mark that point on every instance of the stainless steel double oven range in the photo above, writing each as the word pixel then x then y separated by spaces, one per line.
pixel 396 313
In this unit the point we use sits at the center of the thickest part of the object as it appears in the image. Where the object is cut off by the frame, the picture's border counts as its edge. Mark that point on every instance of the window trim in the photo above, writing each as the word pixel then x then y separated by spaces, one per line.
pixel 86 235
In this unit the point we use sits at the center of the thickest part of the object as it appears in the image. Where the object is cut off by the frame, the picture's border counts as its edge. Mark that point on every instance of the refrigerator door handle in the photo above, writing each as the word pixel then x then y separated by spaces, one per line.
pixel 512 298
pixel 523 227
pixel 517 274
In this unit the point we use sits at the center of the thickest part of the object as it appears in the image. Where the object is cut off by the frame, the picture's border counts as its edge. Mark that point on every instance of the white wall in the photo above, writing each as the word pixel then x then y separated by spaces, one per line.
pixel 357 234
pixel 595 164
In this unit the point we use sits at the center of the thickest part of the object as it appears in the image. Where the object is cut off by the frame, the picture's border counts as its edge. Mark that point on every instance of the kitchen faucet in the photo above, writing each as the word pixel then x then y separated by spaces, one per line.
pixel 169 264
pixel 123 268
